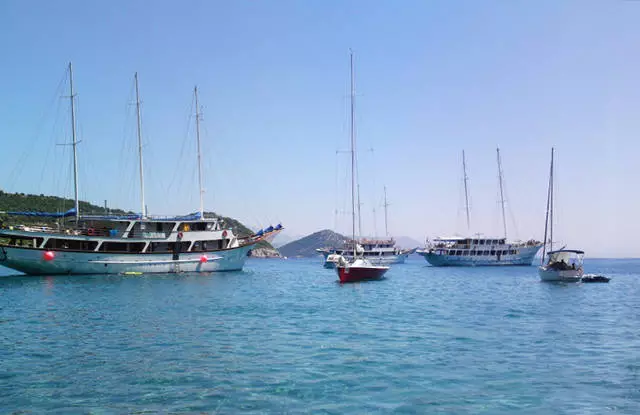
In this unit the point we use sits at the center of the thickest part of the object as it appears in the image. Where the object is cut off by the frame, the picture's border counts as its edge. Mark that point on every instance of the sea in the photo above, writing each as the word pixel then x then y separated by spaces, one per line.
pixel 283 336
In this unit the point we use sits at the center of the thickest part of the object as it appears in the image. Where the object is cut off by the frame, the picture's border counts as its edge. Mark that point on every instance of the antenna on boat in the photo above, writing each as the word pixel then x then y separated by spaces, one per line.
pixel 466 189
pixel 75 144
pixel 353 161
pixel 549 211
pixel 504 218
pixel 386 204
pixel 195 92
pixel 142 203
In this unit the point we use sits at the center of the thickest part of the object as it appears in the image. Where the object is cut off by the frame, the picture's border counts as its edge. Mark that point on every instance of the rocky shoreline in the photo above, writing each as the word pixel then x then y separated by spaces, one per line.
pixel 264 253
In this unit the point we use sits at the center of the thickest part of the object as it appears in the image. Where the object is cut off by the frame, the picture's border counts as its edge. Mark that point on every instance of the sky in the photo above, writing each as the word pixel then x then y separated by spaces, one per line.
pixel 433 78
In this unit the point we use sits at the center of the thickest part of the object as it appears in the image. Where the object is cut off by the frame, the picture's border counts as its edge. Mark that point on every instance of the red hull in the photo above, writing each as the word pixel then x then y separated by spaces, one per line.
pixel 355 274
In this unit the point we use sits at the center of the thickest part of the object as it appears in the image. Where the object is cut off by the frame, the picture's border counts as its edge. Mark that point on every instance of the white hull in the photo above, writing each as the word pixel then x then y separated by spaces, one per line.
pixel 375 260
pixel 31 261
pixel 553 275
pixel 524 256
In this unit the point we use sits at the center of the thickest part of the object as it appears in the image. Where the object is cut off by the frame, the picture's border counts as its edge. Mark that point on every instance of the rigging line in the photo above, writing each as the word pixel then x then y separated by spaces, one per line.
pixel 45 165
pixel 375 187
pixel 182 148
pixel 125 138
pixel 510 210
pixel 39 126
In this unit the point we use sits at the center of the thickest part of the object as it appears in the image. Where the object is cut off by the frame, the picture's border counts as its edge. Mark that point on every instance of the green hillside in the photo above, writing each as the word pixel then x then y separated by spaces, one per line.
pixel 306 247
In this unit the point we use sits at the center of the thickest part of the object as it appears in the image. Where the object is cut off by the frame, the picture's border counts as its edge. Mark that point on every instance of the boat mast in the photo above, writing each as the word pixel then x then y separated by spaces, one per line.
pixel 353 163
pixel 386 204
pixel 504 218
pixel 142 203
pixel 359 207
pixel 549 208
pixel 75 144
pixel 551 205
pixel 466 189
pixel 195 92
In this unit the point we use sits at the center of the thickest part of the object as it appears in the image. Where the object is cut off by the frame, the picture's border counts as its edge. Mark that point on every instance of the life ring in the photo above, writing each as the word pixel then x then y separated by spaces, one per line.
pixel 91 232
pixel 179 235
pixel 224 234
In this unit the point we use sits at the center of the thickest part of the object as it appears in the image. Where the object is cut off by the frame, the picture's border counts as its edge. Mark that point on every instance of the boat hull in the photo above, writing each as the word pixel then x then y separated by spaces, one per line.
pixel 357 274
pixel 524 257
pixel 31 261
pixel 553 275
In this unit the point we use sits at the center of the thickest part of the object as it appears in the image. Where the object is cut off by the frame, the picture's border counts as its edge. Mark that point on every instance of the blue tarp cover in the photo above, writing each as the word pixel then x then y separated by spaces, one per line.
pixel 70 212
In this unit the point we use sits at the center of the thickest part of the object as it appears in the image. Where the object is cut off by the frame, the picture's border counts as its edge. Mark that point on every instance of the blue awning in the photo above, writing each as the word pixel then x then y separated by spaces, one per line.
pixel 70 212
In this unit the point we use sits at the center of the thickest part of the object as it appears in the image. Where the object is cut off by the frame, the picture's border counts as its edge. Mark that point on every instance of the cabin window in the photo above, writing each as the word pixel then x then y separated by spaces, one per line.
pixel 481 242
pixel 130 247
pixel 213 245
pixel 71 244
pixel 493 252
pixel 21 241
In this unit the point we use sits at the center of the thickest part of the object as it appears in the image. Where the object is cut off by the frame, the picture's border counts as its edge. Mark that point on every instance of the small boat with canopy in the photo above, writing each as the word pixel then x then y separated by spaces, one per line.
pixel 561 265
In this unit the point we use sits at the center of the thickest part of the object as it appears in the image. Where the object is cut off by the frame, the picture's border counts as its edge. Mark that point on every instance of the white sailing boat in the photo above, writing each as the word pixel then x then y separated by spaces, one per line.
pixel 562 265
pixel 357 267
pixel 476 250
pixel 137 243
pixel 380 251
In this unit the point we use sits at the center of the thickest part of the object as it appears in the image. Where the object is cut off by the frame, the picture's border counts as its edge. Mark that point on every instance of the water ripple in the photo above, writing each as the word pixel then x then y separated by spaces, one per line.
pixel 283 337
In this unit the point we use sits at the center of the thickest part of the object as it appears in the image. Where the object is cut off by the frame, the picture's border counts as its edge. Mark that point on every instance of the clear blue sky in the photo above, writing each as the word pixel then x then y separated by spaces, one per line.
pixel 433 78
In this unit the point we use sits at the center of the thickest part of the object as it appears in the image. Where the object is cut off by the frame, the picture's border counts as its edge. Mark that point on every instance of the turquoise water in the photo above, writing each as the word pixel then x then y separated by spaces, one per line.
pixel 283 337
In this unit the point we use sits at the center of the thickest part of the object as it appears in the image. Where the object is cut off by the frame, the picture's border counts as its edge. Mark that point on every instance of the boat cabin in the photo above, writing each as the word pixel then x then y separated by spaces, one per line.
pixel 125 235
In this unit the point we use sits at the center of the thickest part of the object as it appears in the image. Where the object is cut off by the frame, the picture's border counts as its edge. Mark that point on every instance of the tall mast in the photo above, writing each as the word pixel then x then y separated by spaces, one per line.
pixel 353 162
pixel 75 144
pixel 375 223
pixel 549 210
pixel 142 203
pixel 195 91
pixel 359 206
pixel 466 190
pixel 386 204
pixel 504 218
pixel 551 205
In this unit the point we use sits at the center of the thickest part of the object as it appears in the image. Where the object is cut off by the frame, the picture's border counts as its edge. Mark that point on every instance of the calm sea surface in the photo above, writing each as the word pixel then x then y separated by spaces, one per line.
pixel 284 337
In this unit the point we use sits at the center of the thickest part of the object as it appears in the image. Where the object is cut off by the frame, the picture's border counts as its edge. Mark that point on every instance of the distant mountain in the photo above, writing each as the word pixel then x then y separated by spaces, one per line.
pixel 306 247
pixel 407 242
